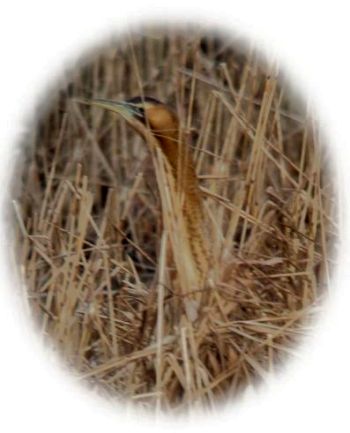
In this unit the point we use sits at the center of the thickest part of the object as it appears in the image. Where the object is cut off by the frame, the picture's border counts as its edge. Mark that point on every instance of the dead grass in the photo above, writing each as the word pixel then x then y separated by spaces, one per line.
pixel 91 235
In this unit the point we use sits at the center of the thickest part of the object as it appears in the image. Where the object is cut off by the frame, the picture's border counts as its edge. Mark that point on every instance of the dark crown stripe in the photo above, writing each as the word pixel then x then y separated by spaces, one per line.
pixel 140 100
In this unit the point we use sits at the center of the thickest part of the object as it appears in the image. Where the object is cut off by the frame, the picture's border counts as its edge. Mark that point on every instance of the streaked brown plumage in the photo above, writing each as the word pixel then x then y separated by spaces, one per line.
pixel 159 126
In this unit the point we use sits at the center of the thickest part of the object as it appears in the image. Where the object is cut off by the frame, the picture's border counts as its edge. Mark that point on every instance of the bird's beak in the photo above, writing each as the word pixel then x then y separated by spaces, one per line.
pixel 123 108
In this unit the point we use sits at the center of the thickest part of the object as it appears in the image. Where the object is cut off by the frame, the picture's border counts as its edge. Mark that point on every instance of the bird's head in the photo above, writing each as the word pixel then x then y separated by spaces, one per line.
pixel 148 116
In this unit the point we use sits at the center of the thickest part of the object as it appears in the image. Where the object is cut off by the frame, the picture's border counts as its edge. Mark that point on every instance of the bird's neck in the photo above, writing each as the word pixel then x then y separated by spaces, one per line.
pixel 179 157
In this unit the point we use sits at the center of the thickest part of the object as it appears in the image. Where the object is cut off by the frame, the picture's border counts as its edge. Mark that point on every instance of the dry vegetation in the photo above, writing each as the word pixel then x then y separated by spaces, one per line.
pixel 91 235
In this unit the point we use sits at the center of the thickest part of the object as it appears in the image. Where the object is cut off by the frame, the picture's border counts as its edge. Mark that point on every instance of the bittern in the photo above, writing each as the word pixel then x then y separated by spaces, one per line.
pixel 159 126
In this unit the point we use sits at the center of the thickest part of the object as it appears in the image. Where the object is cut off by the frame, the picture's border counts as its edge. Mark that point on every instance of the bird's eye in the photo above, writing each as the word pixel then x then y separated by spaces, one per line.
pixel 140 113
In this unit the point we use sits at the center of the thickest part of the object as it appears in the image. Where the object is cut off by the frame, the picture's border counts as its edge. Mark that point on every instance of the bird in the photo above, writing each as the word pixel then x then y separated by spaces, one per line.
pixel 177 181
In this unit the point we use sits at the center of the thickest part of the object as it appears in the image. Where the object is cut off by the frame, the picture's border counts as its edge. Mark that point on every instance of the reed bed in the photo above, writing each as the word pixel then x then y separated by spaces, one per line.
pixel 99 278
